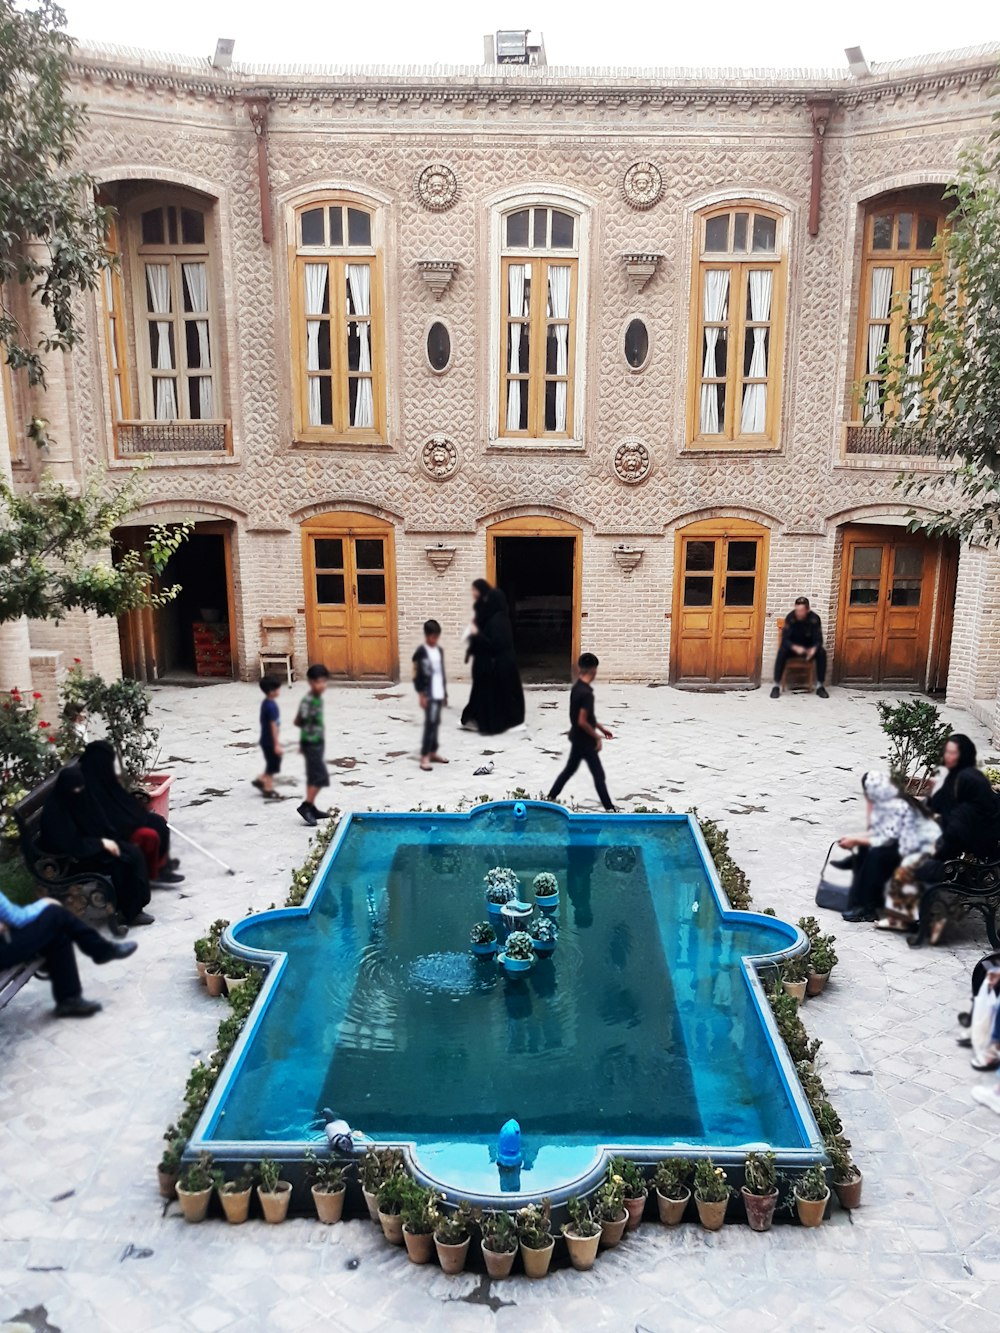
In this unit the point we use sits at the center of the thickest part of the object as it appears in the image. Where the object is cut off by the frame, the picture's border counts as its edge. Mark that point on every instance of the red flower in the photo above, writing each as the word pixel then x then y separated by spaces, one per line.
pixel 36 695
pixel 51 739
pixel 77 660
pixel 43 724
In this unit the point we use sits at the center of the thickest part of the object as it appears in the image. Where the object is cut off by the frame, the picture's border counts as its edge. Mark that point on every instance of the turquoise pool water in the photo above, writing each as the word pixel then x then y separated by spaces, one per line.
pixel 643 1030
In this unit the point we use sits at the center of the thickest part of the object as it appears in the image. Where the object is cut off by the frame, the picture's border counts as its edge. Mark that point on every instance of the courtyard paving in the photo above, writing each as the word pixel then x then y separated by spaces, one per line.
pixel 86 1244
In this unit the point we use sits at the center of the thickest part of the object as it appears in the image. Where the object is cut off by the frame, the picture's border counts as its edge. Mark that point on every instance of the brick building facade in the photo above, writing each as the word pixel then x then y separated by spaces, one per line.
pixel 597 334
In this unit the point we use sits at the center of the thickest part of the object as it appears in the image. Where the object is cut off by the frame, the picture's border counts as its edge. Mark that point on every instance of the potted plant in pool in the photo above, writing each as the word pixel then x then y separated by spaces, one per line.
pixel 328 1187
pixel 636 1190
pixel 711 1194
pixel 760 1193
pixel 847 1177
pixel 501 887
pixel 518 953
pixel 234 1195
pixel 194 1189
pixel 822 961
pixel 376 1165
pixel 274 1193
pixel 534 1232
pixel 544 932
pixel 793 978
pixel 483 939
pixel 582 1233
pixel 499 1243
pixel 546 888
pixel 609 1204
pixel 419 1216
pixel 452 1236
pixel 812 1194
pixel 391 1194
pixel 672 1182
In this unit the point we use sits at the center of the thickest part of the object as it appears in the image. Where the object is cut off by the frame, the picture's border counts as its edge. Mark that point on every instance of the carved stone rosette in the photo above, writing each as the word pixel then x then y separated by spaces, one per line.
pixel 642 185
pixel 632 462
pixel 437 187
pixel 439 457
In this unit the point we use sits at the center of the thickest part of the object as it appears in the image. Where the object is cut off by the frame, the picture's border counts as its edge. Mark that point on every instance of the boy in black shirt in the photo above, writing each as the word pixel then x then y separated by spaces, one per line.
pixel 585 733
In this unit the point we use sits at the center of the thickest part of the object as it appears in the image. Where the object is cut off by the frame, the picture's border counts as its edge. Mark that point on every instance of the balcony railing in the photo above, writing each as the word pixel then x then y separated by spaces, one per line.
pixel 885 442
pixel 172 437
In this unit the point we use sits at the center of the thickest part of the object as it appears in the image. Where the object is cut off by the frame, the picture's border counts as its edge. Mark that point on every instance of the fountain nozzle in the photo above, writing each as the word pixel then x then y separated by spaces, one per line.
pixel 509 1145
pixel 520 810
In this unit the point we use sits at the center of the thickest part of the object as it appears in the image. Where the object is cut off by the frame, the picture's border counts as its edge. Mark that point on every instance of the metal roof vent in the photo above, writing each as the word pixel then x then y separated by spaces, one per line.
pixel 223 57
pixel 514 46
pixel 857 62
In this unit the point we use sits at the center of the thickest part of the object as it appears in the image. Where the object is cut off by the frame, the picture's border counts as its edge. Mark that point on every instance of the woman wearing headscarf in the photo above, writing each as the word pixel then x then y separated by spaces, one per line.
pixel 128 819
pixel 496 702
pixel 959 755
pixel 876 852
pixel 73 825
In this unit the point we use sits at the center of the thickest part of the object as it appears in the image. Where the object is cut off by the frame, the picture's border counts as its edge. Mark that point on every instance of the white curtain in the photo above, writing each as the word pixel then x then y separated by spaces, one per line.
pixel 716 304
pixel 316 280
pixel 164 387
pixel 559 288
pixel 359 281
pixel 516 275
pixel 196 284
pixel 754 415
pixel 920 292
pixel 879 304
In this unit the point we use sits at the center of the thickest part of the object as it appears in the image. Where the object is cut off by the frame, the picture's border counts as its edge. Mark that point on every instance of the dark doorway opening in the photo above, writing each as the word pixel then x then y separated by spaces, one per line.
pixel 536 576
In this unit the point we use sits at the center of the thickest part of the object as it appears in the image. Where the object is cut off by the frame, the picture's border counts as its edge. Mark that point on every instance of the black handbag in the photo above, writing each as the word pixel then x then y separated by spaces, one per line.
pixel 829 894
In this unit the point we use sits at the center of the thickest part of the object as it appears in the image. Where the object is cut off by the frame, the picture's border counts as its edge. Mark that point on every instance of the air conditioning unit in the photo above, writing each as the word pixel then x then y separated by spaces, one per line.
pixel 514 46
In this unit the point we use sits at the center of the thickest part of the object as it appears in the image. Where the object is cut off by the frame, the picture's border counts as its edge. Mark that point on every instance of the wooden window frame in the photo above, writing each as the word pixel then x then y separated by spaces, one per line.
pixel 9 422
pixel 174 255
pixel 902 262
pixel 337 259
pixel 739 266
pixel 115 339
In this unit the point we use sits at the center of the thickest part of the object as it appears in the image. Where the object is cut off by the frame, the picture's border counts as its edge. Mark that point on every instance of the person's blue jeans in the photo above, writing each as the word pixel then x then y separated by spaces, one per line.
pixel 53 934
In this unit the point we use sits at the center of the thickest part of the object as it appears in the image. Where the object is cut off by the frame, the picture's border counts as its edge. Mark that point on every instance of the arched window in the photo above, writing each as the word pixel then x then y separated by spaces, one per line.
pixel 896 286
pixel 740 255
pixel 540 248
pixel 336 302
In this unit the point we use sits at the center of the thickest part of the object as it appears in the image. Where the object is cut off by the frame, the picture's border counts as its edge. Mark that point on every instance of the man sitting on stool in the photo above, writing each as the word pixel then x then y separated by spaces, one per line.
pixel 801 637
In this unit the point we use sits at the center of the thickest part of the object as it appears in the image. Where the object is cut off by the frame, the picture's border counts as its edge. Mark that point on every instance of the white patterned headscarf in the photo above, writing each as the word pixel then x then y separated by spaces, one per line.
pixel 888 808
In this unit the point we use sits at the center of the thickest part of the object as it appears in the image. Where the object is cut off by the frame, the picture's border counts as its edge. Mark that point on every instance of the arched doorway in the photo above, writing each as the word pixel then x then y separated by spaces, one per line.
pixel 537 562
pixel 349 568
pixel 720 588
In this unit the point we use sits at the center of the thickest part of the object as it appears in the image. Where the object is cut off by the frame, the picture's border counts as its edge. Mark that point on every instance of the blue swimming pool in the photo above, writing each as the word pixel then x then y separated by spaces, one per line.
pixel 646 1031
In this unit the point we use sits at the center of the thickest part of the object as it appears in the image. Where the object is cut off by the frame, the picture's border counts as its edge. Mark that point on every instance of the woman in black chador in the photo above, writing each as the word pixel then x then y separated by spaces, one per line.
pixel 497 700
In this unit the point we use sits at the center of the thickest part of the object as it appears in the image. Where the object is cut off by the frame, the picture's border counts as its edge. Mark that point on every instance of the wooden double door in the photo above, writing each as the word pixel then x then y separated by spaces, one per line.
pixel 888 609
pixel 719 597
pixel 350 582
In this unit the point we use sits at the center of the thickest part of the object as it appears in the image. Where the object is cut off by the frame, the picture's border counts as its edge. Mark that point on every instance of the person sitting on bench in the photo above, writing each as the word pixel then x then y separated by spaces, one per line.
pixel 802 637
pixel 128 819
pixel 46 928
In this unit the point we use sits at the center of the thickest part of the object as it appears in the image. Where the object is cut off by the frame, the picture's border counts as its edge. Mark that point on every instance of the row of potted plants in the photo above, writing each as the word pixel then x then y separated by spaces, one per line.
pixel 807 976
pixel 220 971
pixel 503 888
pixel 202 1179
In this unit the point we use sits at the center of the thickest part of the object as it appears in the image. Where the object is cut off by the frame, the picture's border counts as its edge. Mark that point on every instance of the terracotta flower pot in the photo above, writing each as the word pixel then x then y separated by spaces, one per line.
pixel 392 1227
pixel 275 1205
pixel 849 1191
pixel 711 1215
pixel 760 1209
pixel 200 968
pixel 536 1262
pixel 371 1203
pixel 815 982
pixel 498 1262
pixel 582 1250
pixel 194 1203
pixel 452 1257
pixel 634 1208
pixel 236 1206
pixel 672 1210
pixel 168 1183
pixel 216 983
pixel 329 1204
pixel 612 1232
pixel 796 989
pixel 419 1245
pixel 811 1211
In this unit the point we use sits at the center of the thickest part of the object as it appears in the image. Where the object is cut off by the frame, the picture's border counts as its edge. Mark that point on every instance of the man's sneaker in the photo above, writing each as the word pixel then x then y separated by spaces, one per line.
pixel 78 1007
pixel 322 814
pixel 776 692
pixel 308 813
pixel 821 692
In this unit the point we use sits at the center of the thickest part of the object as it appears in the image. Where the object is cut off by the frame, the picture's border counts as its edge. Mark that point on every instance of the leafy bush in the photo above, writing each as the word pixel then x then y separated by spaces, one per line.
pixel 534 1225
pixel 761 1173
pixel 582 1221
pixel 710 1183
pixel 269 1172
pixel 916 737
pixel 811 1185
pixel 499 1231
pixel 199 1175
pixel 419 1208
pixel 673 1176
pixel 632 1178
pixel 325 1174
pixel 451 1227
pixel 123 708
pixel 28 752
pixel 609 1197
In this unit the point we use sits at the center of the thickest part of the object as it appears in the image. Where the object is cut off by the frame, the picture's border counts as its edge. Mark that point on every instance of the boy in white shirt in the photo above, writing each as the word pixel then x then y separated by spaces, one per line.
pixel 431 684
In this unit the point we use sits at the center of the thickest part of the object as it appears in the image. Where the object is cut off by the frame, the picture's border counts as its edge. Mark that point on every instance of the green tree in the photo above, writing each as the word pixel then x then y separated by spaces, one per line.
pixel 951 407
pixel 51 235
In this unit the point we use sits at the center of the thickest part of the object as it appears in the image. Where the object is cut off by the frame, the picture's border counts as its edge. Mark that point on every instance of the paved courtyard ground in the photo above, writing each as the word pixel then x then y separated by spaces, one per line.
pixel 86 1244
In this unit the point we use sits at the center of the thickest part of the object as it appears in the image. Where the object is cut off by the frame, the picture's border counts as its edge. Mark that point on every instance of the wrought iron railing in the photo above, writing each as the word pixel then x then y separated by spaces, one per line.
pixel 886 441
pixel 171 437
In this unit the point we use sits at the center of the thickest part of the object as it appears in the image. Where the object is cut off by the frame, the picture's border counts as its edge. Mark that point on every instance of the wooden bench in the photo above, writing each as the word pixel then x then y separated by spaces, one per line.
pixel 800 674
pixel 13 978
pixel 59 876
pixel 970 886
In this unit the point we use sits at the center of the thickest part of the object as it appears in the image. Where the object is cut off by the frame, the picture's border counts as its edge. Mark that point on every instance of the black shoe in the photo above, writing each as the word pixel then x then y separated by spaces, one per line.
pixel 78 1007
pixel 846 864
pixel 776 692
pixel 857 914
pixel 964 1042
pixel 322 814
pixel 166 877
pixel 142 919
pixel 115 950
pixel 258 784
pixel 821 692
pixel 274 796
pixel 118 926
pixel 307 813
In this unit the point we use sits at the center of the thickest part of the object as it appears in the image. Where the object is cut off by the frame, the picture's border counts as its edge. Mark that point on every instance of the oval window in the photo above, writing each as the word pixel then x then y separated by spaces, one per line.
pixel 636 344
pixel 438 346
